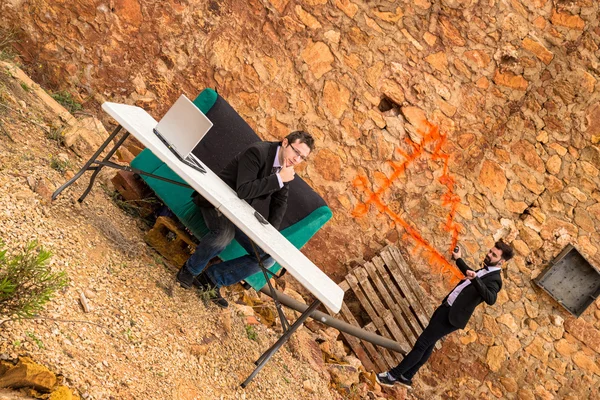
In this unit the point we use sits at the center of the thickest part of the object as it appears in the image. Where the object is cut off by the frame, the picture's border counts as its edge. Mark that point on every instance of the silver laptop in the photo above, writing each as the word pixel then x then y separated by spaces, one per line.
pixel 182 128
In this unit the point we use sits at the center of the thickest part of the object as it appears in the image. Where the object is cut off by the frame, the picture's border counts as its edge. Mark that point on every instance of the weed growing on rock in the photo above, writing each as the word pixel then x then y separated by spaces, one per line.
pixel 251 333
pixel 56 133
pixel 61 165
pixel 7 38
pixel 26 281
pixel 67 101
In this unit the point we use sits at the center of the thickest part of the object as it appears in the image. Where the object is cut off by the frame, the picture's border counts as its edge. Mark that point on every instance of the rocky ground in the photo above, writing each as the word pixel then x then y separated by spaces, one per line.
pixel 144 337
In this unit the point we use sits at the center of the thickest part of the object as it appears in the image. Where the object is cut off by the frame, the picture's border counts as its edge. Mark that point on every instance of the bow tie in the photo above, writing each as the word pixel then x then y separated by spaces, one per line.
pixel 275 170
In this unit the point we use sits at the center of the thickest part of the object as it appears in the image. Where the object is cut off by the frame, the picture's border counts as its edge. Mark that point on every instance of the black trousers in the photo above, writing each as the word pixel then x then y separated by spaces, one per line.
pixel 439 326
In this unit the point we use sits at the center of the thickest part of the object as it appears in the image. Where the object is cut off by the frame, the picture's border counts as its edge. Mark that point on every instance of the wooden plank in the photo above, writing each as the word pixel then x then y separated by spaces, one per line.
pixel 394 299
pixel 426 303
pixel 364 301
pixel 375 355
pixel 389 318
pixel 402 301
pixel 356 346
pixel 376 320
pixel 363 279
pixel 344 286
pixel 391 362
pixel 404 286
pixel 353 341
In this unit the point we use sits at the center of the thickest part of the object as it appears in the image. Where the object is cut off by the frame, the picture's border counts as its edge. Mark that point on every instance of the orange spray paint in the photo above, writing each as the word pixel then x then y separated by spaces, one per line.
pixel 432 138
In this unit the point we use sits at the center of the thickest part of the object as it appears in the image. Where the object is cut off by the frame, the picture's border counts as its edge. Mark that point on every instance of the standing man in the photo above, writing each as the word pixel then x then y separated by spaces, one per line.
pixel 455 311
pixel 263 170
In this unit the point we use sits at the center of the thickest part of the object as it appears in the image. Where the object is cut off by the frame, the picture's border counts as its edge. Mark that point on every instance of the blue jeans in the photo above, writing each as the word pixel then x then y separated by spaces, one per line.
pixel 221 233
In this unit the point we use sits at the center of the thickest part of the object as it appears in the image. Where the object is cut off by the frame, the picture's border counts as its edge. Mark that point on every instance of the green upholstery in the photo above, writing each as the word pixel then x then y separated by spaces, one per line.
pixel 179 201
pixel 177 198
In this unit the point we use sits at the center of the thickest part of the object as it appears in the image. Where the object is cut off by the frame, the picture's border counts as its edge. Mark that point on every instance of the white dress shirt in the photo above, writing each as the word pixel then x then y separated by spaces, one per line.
pixel 277 164
pixel 454 294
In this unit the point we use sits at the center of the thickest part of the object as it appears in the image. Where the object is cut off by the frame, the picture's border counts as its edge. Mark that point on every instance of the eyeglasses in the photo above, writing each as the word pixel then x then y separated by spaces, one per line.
pixel 298 153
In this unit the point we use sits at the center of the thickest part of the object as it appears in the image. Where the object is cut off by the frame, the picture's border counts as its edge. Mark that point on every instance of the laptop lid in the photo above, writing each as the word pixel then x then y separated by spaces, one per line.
pixel 183 126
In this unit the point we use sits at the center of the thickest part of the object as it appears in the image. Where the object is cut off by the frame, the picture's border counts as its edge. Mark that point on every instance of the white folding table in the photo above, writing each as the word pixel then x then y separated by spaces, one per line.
pixel 141 124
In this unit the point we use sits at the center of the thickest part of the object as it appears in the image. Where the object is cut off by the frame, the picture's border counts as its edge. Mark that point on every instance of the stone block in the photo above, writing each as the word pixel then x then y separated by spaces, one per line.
pixel 85 137
pixel 495 357
pixel 130 186
pixel 28 374
pixel 538 49
pixel 318 57
pixel 567 20
pixel 62 393
pixel 584 331
pixel 492 177
pixel 335 98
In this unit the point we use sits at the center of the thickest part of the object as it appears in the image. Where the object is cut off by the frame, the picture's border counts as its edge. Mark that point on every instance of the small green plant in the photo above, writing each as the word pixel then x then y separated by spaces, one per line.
pixel 26 87
pixel 59 164
pixel 207 294
pixel 7 38
pixel 65 99
pixel 35 339
pixel 158 260
pixel 26 281
pixel 251 333
pixel 56 134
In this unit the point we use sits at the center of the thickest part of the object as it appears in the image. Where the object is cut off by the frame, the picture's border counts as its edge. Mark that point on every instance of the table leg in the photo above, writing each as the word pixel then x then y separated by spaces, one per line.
pixel 95 173
pixel 284 322
pixel 87 165
pixel 266 356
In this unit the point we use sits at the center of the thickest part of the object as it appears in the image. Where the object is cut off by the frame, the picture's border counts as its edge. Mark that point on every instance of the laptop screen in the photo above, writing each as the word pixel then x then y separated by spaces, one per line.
pixel 183 126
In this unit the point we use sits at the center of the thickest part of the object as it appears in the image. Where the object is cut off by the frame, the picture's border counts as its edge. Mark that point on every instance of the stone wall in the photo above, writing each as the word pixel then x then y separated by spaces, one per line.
pixel 437 122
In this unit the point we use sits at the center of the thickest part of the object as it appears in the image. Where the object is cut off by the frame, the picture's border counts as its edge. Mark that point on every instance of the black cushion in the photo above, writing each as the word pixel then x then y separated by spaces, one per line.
pixel 229 136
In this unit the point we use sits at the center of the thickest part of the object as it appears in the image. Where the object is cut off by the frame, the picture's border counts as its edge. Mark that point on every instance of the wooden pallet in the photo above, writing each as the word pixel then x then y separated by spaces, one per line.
pixel 395 303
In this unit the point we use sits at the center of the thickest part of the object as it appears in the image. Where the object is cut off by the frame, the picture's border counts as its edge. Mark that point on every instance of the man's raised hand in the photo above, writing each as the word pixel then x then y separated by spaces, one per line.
pixel 287 174
pixel 457 253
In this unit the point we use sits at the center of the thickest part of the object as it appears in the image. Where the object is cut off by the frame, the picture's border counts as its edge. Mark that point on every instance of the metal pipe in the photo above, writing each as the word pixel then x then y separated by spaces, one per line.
pixel 337 324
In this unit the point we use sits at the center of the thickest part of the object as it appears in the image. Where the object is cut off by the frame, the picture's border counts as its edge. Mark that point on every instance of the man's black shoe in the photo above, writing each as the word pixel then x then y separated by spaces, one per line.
pixel 402 381
pixel 218 299
pixel 386 379
pixel 203 282
pixel 185 278
pixel 209 291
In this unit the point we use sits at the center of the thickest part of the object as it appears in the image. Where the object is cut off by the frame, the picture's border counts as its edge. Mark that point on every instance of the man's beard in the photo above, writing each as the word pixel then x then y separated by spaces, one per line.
pixel 488 263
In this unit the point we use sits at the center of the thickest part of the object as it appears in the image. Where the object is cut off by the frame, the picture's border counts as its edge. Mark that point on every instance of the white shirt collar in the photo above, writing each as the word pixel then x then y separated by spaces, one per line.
pixel 276 163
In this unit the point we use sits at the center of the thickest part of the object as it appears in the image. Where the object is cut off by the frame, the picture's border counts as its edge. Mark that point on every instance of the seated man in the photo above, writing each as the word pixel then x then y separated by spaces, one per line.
pixel 261 171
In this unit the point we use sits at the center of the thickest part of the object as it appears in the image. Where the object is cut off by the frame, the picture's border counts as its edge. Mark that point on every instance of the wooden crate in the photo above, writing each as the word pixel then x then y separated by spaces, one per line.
pixel 395 303
pixel 170 241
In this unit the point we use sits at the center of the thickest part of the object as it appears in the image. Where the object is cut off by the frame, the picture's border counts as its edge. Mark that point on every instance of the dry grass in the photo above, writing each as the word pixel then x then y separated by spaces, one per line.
pixel 113 234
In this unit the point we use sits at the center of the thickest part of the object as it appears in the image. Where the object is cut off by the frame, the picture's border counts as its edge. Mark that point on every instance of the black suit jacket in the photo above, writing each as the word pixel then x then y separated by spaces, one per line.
pixel 481 289
pixel 249 174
